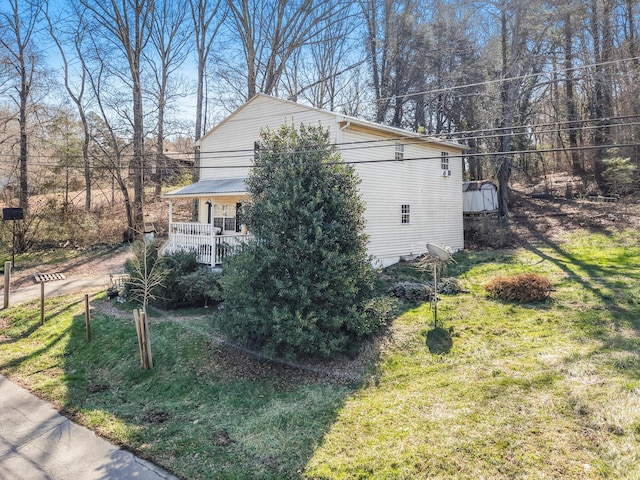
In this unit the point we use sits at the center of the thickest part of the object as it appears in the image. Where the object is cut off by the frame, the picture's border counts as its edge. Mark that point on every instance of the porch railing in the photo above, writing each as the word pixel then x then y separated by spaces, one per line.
pixel 201 238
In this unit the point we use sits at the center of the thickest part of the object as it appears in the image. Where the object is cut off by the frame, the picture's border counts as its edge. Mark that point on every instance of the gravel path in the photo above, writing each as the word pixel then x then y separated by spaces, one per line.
pixel 96 262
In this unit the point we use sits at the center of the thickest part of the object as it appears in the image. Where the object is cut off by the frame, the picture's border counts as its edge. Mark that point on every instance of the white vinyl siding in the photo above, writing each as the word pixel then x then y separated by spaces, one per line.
pixel 228 150
pixel 435 202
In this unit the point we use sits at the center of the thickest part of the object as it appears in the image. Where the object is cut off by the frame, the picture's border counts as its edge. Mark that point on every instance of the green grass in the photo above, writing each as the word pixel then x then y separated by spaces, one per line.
pixel 543 390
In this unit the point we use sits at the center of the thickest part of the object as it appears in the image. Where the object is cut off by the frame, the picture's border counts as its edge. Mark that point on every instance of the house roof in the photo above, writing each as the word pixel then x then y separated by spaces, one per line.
pixel 345 120
pixel 205 187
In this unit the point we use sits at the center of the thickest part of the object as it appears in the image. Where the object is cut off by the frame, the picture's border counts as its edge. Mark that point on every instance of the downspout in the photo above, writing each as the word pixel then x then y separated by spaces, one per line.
pixel 340 130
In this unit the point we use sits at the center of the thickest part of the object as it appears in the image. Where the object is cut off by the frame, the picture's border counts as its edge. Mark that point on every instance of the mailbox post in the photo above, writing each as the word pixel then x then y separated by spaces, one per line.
pixel 13 214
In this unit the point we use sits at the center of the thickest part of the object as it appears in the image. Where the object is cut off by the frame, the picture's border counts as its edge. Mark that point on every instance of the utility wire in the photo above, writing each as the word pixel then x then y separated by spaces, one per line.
pixel 374 161
pixel 508 79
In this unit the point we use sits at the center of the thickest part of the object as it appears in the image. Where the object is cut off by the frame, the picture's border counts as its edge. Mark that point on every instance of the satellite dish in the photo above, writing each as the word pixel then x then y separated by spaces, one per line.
pixel 439 252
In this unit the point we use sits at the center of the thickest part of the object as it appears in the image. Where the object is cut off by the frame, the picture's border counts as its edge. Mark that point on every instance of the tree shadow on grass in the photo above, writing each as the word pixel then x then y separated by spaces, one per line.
pixel 225 412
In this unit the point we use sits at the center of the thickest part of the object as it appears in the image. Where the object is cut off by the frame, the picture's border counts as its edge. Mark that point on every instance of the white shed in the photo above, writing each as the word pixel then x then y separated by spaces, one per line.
pixel 479 197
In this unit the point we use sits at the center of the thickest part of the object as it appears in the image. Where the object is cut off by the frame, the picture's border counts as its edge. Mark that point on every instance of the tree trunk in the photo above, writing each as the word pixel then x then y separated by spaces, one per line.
pixel 138 156
pixel 504 166
pixel 602 99
pixel 572 114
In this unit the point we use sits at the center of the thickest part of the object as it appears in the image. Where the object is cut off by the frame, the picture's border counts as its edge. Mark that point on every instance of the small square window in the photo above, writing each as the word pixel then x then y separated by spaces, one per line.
pixel 405 214
pixel 399 151
pixel 444 160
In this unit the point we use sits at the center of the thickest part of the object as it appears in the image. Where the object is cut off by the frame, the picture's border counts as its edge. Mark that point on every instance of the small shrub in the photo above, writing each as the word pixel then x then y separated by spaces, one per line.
pixel 523 288
pixel 449 286
pixel 411 292
pixel 201 287
pixel 379 311
pixel 188 283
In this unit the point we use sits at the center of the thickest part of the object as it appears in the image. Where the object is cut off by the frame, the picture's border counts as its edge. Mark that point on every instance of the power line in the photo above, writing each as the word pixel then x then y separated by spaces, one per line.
pixel 386 160
pixel 506 79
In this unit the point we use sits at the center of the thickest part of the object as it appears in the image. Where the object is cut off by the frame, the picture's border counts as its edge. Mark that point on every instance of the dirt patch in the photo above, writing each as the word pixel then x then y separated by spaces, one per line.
pixel 229 360
pixel 535 218
pixel 539 218
pixel 155 416
pixel 98 387
pixel 221 438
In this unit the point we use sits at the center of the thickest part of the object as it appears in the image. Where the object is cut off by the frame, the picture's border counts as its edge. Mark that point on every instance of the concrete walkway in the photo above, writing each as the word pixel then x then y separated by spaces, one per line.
pixel 37 443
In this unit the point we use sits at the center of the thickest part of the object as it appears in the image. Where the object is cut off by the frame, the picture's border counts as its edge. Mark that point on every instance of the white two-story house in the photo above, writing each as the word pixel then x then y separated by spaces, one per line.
pixel 410 183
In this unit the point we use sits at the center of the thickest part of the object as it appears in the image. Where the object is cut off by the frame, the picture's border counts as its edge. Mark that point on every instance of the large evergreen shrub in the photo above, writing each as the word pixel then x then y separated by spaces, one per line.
pixel 303 286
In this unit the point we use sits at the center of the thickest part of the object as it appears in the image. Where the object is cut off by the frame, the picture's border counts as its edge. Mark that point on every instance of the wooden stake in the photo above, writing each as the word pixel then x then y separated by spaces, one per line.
pixel 147 343
pixel 136 319
pixel 41 302
pixel 7 281
pixel 87 317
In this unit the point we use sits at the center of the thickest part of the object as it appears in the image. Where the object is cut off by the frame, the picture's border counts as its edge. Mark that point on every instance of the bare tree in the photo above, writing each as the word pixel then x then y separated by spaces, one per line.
pixel 207 17
pixel 323 70
pixel 170 38
pixel 125 28
pixel 601 105
pixel 19 21
pixel 110 148
pixel 572 112
pixel 522 38
pixel 75 81
pixel 378 15
pixel 270 32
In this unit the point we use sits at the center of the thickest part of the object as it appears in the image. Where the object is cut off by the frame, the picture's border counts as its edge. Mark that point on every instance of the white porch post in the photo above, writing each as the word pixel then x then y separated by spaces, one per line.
pixel 170 232
pixel 213 235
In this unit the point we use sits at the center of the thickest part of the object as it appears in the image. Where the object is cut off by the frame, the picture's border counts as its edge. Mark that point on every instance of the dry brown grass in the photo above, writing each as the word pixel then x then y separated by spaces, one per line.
pixel 523 288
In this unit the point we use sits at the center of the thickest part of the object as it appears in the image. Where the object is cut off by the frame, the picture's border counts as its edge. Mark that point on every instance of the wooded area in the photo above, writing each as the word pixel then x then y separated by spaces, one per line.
pixel 91 92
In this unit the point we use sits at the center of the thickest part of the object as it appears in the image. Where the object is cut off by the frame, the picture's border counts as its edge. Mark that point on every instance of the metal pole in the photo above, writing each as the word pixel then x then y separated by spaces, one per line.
pixel 42 302
pixel 7 281
pixel 13 245
pixel 435 295
pixel 87 317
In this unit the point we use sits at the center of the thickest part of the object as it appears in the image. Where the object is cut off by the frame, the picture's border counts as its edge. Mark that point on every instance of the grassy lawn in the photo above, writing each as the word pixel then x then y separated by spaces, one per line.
pixel 545 390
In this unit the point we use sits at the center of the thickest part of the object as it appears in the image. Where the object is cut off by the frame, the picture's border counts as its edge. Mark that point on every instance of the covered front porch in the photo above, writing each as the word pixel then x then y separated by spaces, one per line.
pixel 217 231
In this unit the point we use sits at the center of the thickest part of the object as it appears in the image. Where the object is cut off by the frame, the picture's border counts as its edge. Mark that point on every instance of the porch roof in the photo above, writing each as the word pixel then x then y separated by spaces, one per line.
pixel 210 187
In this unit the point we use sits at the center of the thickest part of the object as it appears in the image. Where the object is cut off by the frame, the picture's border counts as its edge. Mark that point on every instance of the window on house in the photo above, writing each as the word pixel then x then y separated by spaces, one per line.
pixel 444 160
pixel 399 151
pixel 224 216
pixel 405 214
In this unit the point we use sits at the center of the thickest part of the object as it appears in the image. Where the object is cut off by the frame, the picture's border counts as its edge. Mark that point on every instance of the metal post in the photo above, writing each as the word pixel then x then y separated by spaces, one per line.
pixel 87 317
pixel 42 302
pixel 435 295
pixel 7 281
pixel 13 245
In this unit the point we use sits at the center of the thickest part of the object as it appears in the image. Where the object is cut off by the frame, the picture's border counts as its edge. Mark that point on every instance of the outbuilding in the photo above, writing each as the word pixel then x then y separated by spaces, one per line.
pixel 479 197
